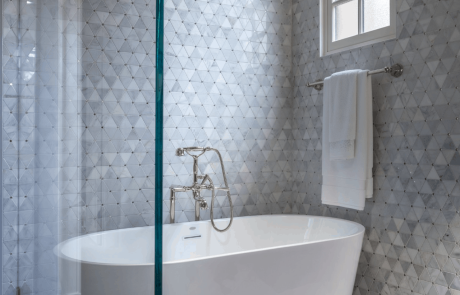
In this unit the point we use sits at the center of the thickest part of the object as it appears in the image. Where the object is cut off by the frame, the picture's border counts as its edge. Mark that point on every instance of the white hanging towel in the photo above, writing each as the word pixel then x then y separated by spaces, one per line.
pixel 347 183
pixel 342 119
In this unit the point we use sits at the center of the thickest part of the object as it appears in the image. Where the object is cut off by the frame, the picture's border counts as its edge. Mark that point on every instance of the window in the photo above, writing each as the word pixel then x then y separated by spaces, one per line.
pixel 347 24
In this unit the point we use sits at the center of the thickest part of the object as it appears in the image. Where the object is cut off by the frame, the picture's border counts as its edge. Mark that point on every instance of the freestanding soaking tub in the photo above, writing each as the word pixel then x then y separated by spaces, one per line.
pixel 258 255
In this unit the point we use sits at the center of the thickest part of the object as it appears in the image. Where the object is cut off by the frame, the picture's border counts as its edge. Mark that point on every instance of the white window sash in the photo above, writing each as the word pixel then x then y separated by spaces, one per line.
pixel 362 39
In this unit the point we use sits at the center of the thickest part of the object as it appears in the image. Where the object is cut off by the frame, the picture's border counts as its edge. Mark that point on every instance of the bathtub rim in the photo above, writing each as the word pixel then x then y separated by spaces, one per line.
pixel 60 255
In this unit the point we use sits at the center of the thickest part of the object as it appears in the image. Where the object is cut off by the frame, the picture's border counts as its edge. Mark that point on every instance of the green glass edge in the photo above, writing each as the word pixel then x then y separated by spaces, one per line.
pixel 159 147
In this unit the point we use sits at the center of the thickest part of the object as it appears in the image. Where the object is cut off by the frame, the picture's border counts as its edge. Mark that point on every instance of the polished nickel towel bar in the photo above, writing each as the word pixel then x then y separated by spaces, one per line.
pixel 395 71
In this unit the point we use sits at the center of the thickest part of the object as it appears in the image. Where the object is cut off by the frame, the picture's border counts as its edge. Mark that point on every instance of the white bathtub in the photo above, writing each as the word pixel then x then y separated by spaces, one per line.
pixel 258 255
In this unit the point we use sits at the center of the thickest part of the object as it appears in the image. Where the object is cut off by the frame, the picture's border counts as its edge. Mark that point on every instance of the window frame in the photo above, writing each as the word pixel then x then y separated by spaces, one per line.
pixel 328 47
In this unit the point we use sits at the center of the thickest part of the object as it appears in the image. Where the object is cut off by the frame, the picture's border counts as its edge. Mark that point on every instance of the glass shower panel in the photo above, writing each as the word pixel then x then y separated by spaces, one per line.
pixel 125 61
pixel 91 95
pixel 40 67
pixel 119 48
pixel 78 133
pixel 30 147
pixel 10 146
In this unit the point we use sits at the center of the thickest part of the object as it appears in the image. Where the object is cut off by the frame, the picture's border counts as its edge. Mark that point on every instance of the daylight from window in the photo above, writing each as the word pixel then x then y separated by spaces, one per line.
pixel 346 20
pixel 375 14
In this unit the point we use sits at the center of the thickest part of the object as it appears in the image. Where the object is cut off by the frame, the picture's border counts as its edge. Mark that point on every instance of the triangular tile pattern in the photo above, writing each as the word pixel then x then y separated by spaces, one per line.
pixel 115 182
pixel 411 241
pixel 30 140
pixel 78 117
pixel 227 85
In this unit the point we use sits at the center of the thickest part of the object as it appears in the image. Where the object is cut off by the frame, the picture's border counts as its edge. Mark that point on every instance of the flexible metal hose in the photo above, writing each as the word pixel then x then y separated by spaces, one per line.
pixel 214 194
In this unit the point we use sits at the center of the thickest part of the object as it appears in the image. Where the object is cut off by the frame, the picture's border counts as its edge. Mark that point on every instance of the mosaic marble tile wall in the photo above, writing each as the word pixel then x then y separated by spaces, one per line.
pixel 411 244
pixel 71 69
pixel 227 85
pixel 227 70
pixel 78 117
pixel 30 137
pixel 117 116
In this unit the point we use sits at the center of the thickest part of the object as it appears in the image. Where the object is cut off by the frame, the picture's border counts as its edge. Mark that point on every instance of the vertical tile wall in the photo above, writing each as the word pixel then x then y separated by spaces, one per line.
pixel 30 145
pixel 412 223
pixel 117 116
pixel 10 163
pixel 228 86
pixel 78 117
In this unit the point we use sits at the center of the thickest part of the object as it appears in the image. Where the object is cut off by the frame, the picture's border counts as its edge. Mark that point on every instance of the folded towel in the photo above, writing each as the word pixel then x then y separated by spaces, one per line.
pixel 342 120
pixel 349 182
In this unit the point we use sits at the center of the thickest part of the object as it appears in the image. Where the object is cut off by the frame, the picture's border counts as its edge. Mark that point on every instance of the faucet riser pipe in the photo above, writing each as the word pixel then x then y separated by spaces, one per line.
pixel 172 207
pixel 197 211
pixel 195 170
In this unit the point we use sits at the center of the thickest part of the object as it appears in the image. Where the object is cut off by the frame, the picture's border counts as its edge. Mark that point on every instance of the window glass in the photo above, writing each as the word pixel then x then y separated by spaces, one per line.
pixel 348 24
pixel 345 19
pixel 376 14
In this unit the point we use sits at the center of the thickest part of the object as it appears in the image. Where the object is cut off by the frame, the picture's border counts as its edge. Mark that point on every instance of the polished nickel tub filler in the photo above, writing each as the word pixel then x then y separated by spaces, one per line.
pixel 258 255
